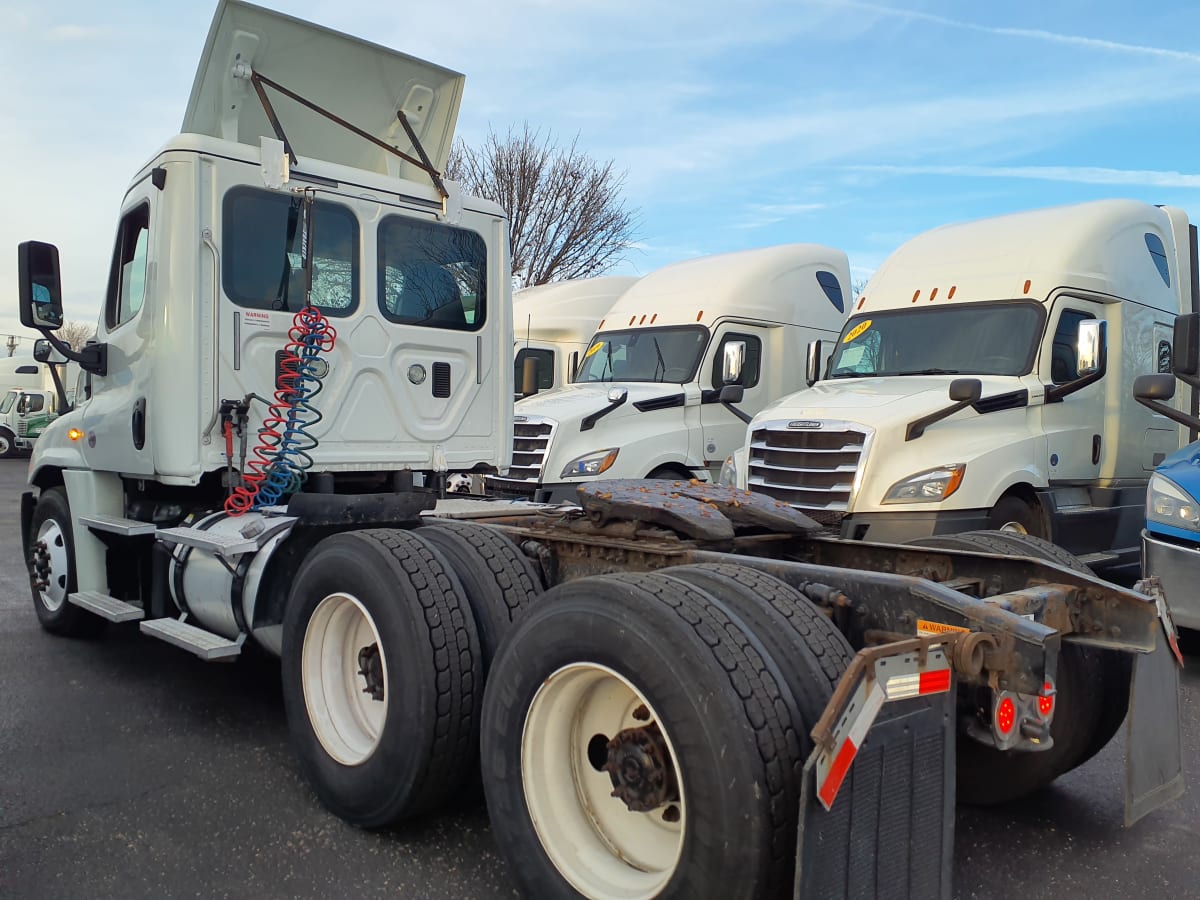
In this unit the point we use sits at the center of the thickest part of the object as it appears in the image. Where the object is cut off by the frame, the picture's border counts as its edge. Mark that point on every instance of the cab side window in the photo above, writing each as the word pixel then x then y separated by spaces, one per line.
pixel 127 277
pixel 750 367
pixel 1064 364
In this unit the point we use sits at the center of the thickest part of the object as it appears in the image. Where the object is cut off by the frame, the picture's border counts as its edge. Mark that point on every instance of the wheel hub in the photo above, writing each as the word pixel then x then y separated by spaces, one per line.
pixel 370 667
pixel 639 767
pixel 39 559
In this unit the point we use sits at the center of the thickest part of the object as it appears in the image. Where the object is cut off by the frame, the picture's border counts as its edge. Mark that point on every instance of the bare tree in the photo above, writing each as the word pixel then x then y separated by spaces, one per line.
pixel 566 215
pixel 76 333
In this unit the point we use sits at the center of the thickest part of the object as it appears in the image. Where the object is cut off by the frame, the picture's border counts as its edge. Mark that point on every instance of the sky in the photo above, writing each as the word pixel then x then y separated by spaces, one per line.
pixel 851 124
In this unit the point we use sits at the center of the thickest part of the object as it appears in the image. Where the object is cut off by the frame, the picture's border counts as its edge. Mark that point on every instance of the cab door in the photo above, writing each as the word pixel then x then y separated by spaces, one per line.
pixel 1074 426
pixel 721 431
pixel 114 421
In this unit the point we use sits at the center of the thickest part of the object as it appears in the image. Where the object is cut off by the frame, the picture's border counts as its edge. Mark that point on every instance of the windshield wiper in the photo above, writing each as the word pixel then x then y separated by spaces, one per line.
pixel 853 374
pixel 661 362
pixel 929 372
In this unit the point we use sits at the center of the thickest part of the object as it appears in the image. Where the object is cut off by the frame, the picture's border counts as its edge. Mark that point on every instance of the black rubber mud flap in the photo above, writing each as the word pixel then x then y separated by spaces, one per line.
pixel 1154 742
pixel 890 832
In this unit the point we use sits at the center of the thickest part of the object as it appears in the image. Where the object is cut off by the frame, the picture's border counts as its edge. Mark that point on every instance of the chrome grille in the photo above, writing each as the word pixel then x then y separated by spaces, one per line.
pixel 812 469
pixel 531 444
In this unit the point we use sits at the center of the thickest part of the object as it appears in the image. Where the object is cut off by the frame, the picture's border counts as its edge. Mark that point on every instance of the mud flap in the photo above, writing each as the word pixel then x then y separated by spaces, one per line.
pixel 1154 742
pixel 890 831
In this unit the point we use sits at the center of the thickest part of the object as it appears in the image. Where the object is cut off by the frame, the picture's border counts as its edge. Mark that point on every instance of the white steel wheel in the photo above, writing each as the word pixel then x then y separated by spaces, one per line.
pixel 344 677
pixel 585 721
pixel 52 563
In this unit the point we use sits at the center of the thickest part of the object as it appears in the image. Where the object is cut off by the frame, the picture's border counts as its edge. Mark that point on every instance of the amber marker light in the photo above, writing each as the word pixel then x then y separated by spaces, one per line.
pixel 75 434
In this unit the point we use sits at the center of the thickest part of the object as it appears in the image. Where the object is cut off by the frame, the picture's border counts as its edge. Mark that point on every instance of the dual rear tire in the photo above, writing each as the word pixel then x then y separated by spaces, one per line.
pixel 386 638
pixel 634 722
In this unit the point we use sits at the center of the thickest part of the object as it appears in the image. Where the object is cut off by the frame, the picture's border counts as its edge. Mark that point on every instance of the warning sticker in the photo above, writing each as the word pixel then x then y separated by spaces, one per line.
pixel 592 350
pixel 926 627
pixel 256 318
pixel 856 331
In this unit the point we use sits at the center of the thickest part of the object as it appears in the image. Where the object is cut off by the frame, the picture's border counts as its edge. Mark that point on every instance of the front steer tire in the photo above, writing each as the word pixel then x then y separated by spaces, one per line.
pixel 650 643
pixel 373 767
pixel 52 548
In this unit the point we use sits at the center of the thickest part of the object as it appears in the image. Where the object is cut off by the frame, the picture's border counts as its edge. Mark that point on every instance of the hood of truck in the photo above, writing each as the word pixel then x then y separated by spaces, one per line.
pixel 570 403
pixel 905 398
pixel 1183 468
pixel 360 82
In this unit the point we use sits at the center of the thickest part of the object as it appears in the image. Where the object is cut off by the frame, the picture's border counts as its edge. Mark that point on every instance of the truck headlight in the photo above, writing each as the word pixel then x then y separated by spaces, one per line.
pixel 1169 504
pixel 929 486
pixel 590 464
pixel 728 476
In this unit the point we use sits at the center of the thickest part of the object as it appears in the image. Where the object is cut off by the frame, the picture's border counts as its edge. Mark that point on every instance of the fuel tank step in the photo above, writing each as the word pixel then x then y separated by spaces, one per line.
pixel 220 543
pixel 106 607
pixel 204 644
pixel 118 525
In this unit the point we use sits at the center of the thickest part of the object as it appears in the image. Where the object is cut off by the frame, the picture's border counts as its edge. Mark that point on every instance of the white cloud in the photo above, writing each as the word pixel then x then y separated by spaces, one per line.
pixel 1036 34
pixel 1074 174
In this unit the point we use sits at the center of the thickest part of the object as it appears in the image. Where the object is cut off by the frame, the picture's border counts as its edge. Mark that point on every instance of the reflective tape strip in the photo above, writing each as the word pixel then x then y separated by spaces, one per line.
pixel 899 677
pixel 851 733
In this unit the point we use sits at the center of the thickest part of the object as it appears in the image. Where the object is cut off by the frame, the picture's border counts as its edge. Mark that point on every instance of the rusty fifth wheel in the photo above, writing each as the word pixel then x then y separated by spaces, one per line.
pixel 628 720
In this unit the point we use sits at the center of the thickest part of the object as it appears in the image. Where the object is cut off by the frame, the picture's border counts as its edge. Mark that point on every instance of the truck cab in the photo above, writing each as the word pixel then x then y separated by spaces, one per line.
pixel 647 399
pixel 24 415
pixel 983 381
pixel 553 324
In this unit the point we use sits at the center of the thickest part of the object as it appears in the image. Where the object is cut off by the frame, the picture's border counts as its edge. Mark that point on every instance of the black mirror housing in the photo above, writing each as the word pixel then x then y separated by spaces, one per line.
pixel 965 390
pixel 39 286
pixel 1154 387
pixel 731 393
pixel 1185 349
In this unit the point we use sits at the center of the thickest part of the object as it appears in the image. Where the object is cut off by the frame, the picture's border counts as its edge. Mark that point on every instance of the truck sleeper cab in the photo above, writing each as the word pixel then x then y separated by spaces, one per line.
pixel 553 323
pixel 647 397
pixel 882 448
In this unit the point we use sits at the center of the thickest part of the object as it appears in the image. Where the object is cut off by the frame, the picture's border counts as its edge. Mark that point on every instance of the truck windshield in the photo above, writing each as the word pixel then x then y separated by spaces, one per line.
pixel 645 354
pixel 9 399
pixel 968 339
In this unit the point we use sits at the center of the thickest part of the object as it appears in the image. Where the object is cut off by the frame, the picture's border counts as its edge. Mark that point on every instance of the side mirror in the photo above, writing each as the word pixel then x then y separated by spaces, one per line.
pixel 812 363
pixel 1154 387
pixel 529 376
pixel 731 393
pixel 42 350
pixel 965 390
pixel 1091 346
pixel 40 285
pixel 1185 350
pixel 735 357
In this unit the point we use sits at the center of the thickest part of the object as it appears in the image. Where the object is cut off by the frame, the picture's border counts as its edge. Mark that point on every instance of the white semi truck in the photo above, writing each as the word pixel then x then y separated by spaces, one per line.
pixel 554 324
pixel 674 690
pixel 984 380
pixel 647 396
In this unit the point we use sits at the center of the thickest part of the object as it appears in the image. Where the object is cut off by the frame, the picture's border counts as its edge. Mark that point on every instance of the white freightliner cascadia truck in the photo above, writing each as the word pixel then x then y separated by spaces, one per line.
pixel 554 324
pixel 673 689
pixel 984 380
pixel 647 395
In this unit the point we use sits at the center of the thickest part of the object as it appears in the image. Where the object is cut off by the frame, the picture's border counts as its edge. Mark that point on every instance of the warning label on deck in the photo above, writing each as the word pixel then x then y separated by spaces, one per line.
pixel 925 627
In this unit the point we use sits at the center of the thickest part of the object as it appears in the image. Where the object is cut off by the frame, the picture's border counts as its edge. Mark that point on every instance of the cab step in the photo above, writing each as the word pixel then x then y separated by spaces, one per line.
pixel 219 543
pixel 118 525
pixel 204 644
pixel 106 607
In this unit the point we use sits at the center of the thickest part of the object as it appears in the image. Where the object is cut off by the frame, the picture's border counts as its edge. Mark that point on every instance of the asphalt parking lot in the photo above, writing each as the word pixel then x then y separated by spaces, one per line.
pixel 129 768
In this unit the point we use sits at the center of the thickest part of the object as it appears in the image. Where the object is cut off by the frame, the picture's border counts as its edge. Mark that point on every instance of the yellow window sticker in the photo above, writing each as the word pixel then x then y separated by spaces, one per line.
pixel 856 331
pixel 592 350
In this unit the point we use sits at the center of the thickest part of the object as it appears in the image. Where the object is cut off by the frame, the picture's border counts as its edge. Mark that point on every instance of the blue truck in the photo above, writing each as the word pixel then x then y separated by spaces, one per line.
pixel 1171 538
